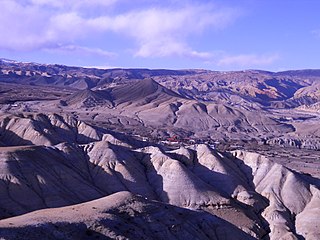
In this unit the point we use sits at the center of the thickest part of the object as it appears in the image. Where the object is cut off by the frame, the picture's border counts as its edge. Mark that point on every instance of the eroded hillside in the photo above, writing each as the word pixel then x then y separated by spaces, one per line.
pixel 253 194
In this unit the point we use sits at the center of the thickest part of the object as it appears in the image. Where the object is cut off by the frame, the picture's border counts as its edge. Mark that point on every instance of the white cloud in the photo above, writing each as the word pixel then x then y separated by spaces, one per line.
pixel 31 27
pixel 162 32
pixel 21 27
pixel 162 47
pixel 248 60
pixel 155 31
pixel 159 32
pixel 84 50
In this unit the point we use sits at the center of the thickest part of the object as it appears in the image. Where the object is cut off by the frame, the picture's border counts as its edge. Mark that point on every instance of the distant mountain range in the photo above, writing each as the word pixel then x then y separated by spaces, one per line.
pixel 286 89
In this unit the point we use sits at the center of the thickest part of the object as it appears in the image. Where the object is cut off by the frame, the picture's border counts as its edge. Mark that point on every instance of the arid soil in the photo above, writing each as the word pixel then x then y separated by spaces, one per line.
pixel 158 154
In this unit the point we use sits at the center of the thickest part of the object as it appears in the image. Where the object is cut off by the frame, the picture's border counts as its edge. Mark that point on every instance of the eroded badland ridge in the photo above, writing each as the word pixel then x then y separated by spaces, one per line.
pixel 158 154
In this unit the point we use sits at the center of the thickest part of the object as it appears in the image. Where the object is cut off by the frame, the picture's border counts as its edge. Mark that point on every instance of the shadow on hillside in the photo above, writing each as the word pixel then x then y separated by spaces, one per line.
pixel 154 179
pixel 58 134
pixel 9 138
pixel 48 177
pixel 52 230
pixel 138 181
pixel 163 221
pixel 157 221
pixel 308 178
pixel 41 128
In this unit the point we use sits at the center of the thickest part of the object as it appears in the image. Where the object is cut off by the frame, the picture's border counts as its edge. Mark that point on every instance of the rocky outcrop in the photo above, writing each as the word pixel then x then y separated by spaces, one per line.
pixel 307 143
pixel 315 107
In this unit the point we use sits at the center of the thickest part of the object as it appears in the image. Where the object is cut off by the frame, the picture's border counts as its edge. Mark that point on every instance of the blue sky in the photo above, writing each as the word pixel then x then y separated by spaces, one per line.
pixel 175 34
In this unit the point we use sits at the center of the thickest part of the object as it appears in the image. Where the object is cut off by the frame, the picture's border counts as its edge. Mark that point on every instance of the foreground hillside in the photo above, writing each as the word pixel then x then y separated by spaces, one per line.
pixel 120 215
pixel 257 197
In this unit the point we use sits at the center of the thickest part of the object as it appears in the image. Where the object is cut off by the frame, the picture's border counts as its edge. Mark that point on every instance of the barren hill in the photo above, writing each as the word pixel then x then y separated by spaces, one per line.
pixel 142 92
pixel 120 215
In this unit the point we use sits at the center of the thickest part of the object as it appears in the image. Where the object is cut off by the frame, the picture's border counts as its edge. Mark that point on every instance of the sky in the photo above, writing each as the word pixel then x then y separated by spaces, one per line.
pixel 222 35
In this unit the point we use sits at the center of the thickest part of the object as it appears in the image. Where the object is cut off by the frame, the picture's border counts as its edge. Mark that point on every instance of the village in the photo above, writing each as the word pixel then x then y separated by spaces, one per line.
pixel 176 141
